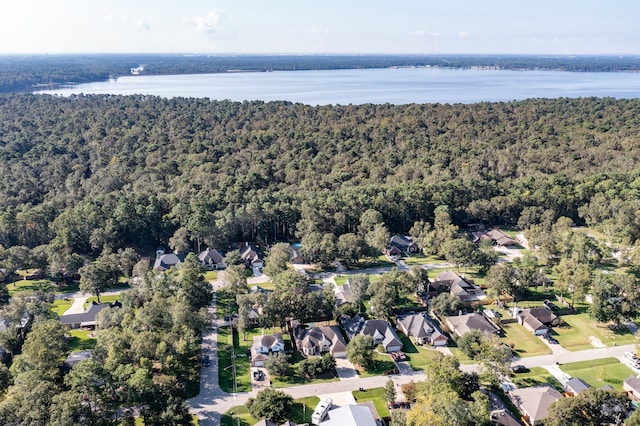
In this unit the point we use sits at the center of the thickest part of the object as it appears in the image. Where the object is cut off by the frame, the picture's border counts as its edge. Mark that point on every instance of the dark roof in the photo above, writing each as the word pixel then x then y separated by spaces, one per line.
pixel 543 315
pixel 463 324
pixel 577 385
pixel 210 256
pixel 88 317
pixel 166 261
pixel 76 357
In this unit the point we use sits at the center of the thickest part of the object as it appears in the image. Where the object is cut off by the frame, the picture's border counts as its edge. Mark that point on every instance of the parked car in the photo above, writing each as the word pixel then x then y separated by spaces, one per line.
pixel 631 356
pixel 206 361
pixel 518 368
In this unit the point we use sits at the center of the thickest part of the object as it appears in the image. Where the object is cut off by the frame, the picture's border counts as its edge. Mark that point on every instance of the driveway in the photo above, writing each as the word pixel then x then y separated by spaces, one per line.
pixel 345 369
pixel 404 367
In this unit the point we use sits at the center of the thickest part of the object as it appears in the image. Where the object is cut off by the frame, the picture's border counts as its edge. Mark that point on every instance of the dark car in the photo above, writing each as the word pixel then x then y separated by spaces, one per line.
pixel 518 368
pixel 206 361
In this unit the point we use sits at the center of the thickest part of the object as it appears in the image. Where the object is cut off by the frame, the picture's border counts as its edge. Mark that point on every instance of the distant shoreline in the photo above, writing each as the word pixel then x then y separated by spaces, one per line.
pixel 27 73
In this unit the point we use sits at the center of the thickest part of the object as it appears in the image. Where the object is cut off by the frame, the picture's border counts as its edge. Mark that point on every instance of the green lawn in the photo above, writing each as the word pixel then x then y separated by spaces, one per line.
pixel 341 279
pixel 525 343
pixel 30 285
pixel 534 377
pixel 381 363
pixel 302 412
pixel 377 396
pixel 462 357
pixel 59 306
pixel 599 372
pixel 575 335
pixel 418 356
pixel 373 262
pixel 295 379
pixel 103 299
pixel 211 275
pixel 420 259
pixel 81 340
pixel 243 377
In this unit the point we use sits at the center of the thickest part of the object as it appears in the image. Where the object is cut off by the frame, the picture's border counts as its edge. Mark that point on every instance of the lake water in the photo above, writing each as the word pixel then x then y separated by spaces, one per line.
pixel 395 86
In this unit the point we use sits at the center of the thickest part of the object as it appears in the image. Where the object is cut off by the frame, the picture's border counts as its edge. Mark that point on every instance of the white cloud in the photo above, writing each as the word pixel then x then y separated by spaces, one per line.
pixel 463 35
pixel 143 25
pixel 208 23
pixel 125 19
pixel 425 33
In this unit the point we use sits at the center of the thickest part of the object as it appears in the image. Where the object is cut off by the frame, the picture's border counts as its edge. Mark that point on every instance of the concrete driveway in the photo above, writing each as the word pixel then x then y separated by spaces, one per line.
pixel 345 369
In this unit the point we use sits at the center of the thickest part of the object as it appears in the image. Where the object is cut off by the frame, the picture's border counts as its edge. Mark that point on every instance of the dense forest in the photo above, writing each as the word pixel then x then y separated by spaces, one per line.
pixel 85 174
pixel 27 73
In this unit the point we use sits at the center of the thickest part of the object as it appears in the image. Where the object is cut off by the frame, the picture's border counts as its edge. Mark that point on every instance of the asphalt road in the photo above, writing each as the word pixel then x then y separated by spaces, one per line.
pixel 212 401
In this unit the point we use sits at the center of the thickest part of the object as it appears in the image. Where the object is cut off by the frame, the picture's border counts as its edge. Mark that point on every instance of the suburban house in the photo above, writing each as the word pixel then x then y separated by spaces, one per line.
pixel 88 317
pixel 631 385
pixel 265 345
pixel 420 328
pixel 497 238
pixel 536 320
pixel 166 261
pixel 252 258
pixel 295 255
pixel 254 316
pixel 320 340
pixel 576 385
pixel 381 331
pixel 462 324
pixel 350 415
pixel 343 294
pixel 464 288
pixel 534 402
pixel 399 245
pixel 211 259
pixel 74 358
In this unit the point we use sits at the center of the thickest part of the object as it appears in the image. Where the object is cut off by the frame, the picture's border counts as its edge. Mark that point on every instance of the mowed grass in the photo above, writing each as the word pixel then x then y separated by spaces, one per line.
pixel 418 356
pixel 525 343
pixel 295 379
pixel 302 412
pixel 535 376
pixel 59 306
pixel 225 373
pixel 81 340
pixel 377 396
pixel 421 259
pixel 575 336
pixel 103 299
pixel 599 372
pixel 211 275
pixel 381 364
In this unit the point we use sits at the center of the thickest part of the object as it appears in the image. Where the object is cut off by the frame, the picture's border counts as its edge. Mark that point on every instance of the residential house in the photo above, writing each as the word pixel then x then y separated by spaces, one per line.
pixel 400 244
pixel 88 317
pixel 211 259
pixel 462 324
pixel 295 255
pixel 421 329
pixel 576 385
pixel 464 288
pixel 381 331
pixel 536 320
pixel 343 294
pixel 631 385
pixel 349 415
pixel 166 261
pixel 534 402
pixel 265 345
pixel 497 238
pixel 320 340
pixel 254 316
pixel 74 358
pixel 252 258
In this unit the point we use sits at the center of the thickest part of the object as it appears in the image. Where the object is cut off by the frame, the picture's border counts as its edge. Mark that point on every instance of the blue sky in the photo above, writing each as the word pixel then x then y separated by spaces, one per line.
pixel 327 26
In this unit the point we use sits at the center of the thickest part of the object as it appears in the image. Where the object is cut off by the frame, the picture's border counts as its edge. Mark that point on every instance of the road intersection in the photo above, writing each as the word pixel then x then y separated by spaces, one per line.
pixel 212 402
